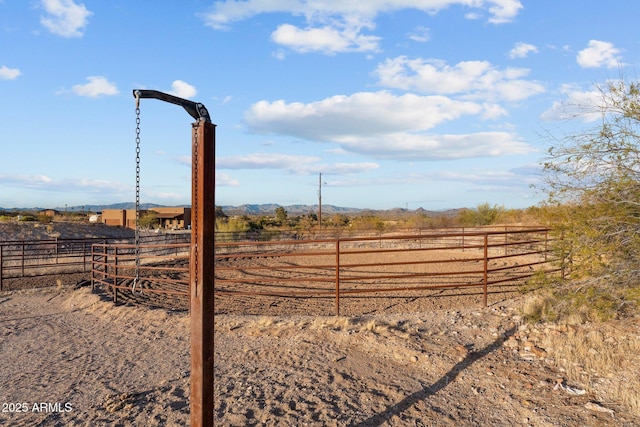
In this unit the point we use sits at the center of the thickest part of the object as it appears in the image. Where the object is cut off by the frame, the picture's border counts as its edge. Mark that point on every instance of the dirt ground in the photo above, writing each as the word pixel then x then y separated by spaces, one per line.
pixel 69 356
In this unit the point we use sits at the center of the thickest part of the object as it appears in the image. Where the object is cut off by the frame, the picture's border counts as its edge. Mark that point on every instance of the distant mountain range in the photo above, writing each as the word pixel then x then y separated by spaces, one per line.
pixel 249 209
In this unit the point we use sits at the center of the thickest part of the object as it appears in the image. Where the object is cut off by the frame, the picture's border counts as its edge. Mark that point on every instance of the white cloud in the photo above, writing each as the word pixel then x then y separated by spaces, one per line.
pixel 97 85
pixel 599 54
pixel 344 168
pixel 64 17
pixel 45 183
pixel 503 11
pixel 226 180
pixel 326 39
pixel 263 161
pixel 384 125
pixel 224 13
pixel 585 105
pixel 522 50
pixel 26 181
pixel 183 89
pixel 337 25
pixel 473 79
pixel 420 35
pixel 7 73
pixel 411 146
pixel 363 113
pixel 301 165
pixel 519 177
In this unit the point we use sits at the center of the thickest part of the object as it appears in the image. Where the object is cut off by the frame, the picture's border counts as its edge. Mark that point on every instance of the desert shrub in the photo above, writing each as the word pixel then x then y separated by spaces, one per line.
pixel 593 182
pixel 483 214
pixel 233 225
pixel 149 220
pixel 45 219
pixel 578 303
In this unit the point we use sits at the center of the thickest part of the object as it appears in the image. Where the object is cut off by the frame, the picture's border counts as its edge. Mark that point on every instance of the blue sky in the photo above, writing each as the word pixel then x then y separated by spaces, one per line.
pixel 398 103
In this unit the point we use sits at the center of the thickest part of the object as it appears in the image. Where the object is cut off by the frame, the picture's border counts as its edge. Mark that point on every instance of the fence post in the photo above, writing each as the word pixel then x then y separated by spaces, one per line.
pixel 462 239
pixel 22 259
pixel 563 263
pixel 92 268
pixel 506 239
pixel 337 277
pixel 115 275
pixel 486 266
pixel 1 266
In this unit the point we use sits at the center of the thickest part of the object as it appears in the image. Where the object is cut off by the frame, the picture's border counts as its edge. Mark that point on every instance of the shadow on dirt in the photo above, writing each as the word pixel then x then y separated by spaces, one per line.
pixel 394 410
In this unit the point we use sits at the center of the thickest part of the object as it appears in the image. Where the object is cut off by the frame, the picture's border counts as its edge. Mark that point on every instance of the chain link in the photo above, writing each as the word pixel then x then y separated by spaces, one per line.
pixel 137 225
pixel 194 210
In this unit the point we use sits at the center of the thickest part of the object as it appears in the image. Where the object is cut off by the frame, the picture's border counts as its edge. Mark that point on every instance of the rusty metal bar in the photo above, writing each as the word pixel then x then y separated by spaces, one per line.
pixel 202 273
pixel 337 277
pixel 486 267
pixel 1 266
pixel 115 275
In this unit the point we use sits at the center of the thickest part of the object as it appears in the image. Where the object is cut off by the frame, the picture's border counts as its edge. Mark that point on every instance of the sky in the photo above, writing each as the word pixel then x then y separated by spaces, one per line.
pixel 397 103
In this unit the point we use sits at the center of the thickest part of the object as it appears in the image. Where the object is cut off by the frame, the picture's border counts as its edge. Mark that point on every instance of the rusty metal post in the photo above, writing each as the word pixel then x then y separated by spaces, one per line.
pixel 546 244
pixel 1 247
pixel 506 239
pixel 201 273
pixel 115 275
pixel 486 266
pixel 22 259
pixel 201 265
pixel 338 277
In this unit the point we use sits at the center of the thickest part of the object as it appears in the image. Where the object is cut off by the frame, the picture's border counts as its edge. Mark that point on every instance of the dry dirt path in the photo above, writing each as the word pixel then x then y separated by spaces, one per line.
pixel 121 365
pixel 89 362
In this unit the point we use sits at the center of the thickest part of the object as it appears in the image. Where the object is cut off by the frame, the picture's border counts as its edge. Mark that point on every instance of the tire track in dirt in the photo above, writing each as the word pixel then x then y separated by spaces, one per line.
pixel 96 357
pixel 43 369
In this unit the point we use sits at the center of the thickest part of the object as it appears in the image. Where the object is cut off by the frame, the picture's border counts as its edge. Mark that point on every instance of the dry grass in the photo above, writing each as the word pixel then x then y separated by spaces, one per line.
pixel 603 357
pixel 595 336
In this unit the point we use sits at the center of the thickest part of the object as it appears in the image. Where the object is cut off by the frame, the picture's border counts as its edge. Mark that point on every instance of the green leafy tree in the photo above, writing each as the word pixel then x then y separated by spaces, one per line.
pixel 149 220
pixel 483 214
pixel 339 220
pixel 281 215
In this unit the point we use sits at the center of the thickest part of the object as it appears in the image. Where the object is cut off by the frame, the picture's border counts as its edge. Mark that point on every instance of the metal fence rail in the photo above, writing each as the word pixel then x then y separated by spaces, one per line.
pixel 164 268
pixel 382 265
pixel 24 258
pixel 39 257
pixel 328 268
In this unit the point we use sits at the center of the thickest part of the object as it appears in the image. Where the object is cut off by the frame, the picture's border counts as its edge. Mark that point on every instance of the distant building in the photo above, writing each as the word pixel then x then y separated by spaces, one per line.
pixel 174 218
pixel 120 217
pixel 48 212
pixel 169 217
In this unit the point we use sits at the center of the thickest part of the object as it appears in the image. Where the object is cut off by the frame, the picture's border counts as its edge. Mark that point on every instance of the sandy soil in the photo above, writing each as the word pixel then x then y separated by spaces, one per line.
pixel 68 356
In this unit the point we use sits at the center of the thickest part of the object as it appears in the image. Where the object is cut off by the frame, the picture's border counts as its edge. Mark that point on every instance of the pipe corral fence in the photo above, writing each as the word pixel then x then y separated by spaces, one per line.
pixel 334 269
pixel 26 258
pixel 33 258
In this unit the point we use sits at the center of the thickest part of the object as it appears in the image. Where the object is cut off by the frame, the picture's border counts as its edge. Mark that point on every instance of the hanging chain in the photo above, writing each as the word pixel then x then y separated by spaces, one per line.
pixel 137 225
pixel 194 213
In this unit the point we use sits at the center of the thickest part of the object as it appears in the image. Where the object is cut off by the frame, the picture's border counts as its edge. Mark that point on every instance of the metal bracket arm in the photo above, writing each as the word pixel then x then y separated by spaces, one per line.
pixel 195 109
